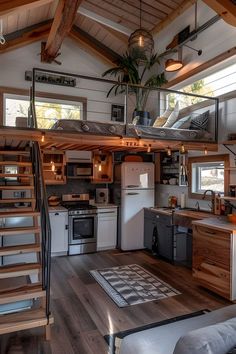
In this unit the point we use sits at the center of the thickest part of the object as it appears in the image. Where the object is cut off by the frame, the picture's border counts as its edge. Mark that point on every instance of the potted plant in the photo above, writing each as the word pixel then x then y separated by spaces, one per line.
pixel 128 70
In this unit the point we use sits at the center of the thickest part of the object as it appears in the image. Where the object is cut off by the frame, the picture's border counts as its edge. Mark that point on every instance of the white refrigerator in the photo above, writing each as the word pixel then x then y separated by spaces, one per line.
pixel 137 192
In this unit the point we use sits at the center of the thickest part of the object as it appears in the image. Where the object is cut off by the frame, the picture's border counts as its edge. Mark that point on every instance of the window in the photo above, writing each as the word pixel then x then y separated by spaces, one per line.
pixel 48 110
pixel 208 172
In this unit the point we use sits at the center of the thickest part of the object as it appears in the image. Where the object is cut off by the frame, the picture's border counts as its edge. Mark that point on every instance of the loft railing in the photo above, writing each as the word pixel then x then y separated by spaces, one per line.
pixel 42 206
pixel 99 103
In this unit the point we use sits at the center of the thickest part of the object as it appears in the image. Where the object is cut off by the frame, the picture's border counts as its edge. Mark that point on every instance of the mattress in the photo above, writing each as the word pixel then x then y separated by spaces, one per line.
pixel 111 129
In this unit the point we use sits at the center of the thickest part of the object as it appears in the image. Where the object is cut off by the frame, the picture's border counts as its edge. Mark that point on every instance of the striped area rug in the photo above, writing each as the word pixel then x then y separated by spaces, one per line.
pixel 132 285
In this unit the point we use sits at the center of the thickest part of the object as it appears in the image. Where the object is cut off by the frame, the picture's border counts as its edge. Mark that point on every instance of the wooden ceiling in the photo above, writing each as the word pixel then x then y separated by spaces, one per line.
pixel 98 24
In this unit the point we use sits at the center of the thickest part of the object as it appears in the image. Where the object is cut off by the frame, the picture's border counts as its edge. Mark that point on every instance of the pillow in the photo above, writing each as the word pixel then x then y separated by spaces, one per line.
pixel 160 121
pixel 183 123
pixel 200 122
pixel 215 339
pixel 173 117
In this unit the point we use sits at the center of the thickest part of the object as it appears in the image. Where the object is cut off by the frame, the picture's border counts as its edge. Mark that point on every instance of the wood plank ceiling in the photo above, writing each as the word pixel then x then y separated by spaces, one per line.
pixel 109 22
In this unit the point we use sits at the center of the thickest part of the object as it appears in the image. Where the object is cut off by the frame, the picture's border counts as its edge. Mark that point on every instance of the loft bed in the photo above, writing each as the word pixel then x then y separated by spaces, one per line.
pixel 175 115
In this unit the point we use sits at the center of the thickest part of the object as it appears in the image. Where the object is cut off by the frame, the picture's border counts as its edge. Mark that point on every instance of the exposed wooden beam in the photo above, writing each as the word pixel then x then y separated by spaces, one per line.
pixel 173 15
pixel 105 21
pixel 26 36
pixel 94 45
pixel 8 6
pixel 62 24
pixel 225 8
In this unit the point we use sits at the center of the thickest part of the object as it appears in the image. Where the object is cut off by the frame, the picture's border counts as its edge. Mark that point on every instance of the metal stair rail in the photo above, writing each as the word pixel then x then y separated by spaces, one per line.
pixel 41 205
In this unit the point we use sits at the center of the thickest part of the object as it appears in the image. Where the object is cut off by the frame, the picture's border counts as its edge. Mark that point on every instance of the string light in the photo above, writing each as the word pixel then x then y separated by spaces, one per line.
pixel 122 141
pixel 168 151
pixel 43 137
pixel 182 149
pixel 53 166
pixel 149 148
pixel 205 151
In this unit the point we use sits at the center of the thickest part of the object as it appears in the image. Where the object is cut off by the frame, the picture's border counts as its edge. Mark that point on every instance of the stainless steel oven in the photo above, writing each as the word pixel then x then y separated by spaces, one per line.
pixel 82 227
pixel 82 231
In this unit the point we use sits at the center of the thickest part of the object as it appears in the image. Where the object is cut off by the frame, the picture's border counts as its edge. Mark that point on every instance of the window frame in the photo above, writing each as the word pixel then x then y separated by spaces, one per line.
pixel 204 159
pixel 40 94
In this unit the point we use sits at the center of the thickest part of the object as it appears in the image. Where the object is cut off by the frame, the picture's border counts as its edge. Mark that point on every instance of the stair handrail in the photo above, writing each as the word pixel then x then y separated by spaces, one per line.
pixel 41 205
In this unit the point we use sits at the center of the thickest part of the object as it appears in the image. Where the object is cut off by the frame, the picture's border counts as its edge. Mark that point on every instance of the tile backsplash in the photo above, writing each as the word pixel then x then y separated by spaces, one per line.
pixel 74 186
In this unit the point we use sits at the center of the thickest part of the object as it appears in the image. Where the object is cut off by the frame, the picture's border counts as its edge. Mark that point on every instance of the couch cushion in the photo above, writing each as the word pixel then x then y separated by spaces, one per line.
pixel 183 123
pixel 200 122
pixel 215 339
pixel 162 340
pixel 168 114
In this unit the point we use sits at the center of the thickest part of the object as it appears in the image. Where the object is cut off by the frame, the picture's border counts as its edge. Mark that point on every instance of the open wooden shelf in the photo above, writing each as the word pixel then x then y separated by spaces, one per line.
pixel 228 198
pixel 58 159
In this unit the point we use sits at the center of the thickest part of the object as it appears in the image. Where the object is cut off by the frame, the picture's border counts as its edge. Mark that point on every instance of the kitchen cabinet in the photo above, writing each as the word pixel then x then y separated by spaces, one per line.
pixel 214 257
pixel 171 169
pixel 59 227
pixel 54 166
pixel 158 233
pixel 107 228
pixel 102 167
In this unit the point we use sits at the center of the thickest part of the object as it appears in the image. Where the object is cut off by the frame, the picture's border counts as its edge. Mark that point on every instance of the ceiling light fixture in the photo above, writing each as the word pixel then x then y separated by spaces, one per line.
pixel 141 42
pixel 173 64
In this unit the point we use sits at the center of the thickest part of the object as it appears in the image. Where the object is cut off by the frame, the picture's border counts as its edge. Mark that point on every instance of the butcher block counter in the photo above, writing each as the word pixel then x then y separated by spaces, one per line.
pixel 214 255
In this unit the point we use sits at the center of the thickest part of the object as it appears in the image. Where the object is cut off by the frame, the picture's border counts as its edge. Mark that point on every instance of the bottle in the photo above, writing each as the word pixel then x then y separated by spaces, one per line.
pixel 182 200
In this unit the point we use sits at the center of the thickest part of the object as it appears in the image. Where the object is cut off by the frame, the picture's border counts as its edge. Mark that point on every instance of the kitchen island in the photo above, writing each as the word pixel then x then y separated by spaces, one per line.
pixel 214 255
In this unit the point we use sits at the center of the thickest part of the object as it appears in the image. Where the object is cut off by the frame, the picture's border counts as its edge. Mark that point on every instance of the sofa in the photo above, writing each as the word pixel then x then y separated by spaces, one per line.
pixel 209 333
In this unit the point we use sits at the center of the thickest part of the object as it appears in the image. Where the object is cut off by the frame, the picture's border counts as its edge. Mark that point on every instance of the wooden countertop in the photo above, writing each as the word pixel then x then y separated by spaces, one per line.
pixel 195 214
pixel 217 223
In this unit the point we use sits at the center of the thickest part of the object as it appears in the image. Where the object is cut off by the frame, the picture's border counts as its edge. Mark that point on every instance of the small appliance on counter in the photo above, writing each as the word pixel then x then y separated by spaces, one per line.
pixel 53 200
pixel 102 195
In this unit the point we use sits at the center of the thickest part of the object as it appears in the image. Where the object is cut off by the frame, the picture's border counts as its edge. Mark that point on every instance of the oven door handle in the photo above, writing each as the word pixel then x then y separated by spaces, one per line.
pixel 83 216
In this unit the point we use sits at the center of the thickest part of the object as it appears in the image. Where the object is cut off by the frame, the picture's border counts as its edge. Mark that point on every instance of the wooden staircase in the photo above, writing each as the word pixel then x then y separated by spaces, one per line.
pixel 23 261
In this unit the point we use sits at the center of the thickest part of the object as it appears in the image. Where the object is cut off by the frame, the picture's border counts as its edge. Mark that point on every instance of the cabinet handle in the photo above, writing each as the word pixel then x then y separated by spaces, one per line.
pixel 56 214
pixel 132 186
pixel 66 227
pixel 133 193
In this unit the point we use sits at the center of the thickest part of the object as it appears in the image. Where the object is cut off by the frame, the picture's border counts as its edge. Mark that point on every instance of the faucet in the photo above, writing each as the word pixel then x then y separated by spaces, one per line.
pixel 197 205
pixel 212 199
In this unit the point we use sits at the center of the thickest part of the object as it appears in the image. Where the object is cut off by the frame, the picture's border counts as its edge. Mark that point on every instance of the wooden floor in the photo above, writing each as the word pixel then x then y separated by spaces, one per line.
pixel 84 313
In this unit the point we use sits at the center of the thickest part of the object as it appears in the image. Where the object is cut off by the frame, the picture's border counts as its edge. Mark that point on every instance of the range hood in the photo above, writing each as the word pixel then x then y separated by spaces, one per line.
pixel 74 156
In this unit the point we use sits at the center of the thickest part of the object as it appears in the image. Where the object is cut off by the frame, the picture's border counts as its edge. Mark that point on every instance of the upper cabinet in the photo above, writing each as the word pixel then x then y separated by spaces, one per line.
pixel 171 168
pixel 54 166
pixel 102 167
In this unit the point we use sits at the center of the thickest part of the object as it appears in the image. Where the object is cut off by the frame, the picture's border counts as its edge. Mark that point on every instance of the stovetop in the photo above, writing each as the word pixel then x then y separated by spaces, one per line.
pixel 79 208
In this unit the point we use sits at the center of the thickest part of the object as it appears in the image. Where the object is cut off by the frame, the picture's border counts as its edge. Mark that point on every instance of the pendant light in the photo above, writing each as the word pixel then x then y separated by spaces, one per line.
pixel 173 64
pixel 141 42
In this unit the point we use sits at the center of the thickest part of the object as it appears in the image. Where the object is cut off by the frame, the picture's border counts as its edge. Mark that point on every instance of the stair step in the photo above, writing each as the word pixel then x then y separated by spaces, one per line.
pixel 23 320
pixel 26 292
pixel 16 152
pixel 30 175
pixel 16 214
pixel 18 270
pixel 9 188
pixel 20 249
pixel 7 231
pixel 15 163
pixel 17 200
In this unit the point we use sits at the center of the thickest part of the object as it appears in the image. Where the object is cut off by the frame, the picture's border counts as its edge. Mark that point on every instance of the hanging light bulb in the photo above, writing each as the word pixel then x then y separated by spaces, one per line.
pixel 122 141
pixel 100 167
pixel 205 151
pixel 168 151
pixel 43 137
pixel 182 149
pixel 53 166
pixel 140 41
pixel 149 148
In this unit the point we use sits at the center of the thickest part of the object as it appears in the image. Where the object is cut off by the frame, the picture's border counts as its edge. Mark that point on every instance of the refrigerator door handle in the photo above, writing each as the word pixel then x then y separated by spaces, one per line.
pixel 132 193
pixel 132 186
